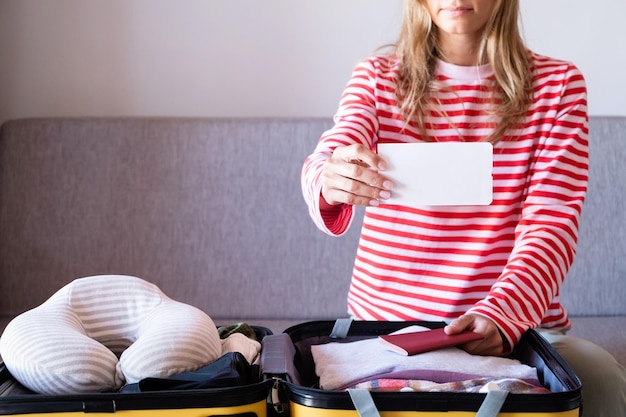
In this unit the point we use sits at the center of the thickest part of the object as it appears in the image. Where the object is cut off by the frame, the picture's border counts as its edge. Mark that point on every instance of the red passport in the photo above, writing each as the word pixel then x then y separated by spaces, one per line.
pixel 425 341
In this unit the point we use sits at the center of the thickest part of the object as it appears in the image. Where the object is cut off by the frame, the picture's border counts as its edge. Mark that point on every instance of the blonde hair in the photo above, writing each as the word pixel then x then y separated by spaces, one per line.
pixel 417 49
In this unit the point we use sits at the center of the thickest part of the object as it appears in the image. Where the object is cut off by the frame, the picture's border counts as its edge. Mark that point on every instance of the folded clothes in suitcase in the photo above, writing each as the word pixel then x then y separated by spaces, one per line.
pixel 238 390
pixel 289 359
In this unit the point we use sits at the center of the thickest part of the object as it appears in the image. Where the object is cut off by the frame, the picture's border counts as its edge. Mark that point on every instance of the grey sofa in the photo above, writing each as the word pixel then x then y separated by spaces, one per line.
pixel 211 211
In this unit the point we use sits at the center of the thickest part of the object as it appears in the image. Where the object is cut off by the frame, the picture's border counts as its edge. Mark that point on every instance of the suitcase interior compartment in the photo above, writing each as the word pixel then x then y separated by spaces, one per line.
pixel 242 401
pixel 564 399
pixel 305 335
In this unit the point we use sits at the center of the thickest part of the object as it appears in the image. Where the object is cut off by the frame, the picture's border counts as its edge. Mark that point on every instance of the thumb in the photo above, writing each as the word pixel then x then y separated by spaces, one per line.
pixel 459 325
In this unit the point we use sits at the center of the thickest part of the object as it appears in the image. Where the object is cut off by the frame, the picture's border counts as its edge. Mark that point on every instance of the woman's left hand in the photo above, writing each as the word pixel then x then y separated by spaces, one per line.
pixel 491 345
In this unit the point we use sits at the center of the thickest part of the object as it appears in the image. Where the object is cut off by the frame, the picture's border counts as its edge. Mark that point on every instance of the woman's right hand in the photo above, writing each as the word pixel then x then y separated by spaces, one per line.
pixel 352 176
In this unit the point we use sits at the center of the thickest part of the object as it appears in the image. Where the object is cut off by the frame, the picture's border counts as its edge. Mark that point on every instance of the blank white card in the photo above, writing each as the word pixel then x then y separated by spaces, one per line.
pixel 439 173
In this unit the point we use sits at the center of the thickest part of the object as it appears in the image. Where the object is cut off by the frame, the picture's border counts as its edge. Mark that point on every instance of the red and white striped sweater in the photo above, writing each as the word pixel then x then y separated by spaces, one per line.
pixel 505 261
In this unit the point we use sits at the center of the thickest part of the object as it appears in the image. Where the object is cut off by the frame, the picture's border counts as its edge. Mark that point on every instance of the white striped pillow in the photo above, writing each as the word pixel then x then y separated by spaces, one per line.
pixel 71 342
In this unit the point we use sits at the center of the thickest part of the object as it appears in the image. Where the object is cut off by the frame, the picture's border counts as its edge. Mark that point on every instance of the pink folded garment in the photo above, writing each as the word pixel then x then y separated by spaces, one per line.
pixel 517 386
pixel 434 375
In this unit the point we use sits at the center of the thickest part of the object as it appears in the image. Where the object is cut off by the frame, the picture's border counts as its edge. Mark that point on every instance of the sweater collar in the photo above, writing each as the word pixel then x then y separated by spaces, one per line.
pixel 464 73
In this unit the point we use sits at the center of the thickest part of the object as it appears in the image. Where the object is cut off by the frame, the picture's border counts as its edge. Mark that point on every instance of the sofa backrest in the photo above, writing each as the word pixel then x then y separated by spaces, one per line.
pixel 596 284
pixel 211 211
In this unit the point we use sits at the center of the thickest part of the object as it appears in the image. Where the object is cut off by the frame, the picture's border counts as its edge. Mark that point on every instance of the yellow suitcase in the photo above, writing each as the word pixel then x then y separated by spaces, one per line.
pixel 288 359
pixel 287 380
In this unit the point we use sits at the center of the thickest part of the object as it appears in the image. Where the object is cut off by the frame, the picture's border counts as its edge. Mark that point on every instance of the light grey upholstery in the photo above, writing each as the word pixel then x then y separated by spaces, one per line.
pixel 211 211
pixel 596 284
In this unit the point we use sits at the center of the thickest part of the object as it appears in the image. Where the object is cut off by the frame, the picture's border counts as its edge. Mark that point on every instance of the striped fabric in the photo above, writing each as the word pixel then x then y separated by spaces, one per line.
pixel 505 261
pixel 71 343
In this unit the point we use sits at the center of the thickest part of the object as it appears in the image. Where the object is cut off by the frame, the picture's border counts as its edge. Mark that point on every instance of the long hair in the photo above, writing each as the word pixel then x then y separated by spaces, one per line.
pixel 417 48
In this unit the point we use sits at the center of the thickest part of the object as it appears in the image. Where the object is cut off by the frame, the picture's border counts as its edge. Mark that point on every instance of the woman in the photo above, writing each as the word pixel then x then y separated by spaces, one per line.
pixel 461 72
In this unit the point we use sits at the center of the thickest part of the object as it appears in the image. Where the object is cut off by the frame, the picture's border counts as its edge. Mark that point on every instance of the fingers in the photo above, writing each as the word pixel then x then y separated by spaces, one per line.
pixel 351 176
pixel 492 344
pixel 351 182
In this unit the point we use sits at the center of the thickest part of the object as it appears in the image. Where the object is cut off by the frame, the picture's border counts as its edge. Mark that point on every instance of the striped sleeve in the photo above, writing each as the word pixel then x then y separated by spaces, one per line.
pixel 546 235
pixel 355 122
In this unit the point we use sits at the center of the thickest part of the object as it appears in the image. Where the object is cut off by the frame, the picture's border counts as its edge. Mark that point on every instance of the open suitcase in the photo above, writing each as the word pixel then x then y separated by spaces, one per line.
pixel 287 381
pixel 287 358
pixel 248 400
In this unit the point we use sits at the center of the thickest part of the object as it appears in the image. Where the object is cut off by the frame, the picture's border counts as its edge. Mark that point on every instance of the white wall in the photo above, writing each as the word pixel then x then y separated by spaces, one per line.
pixel 592 34
pixel 246 57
